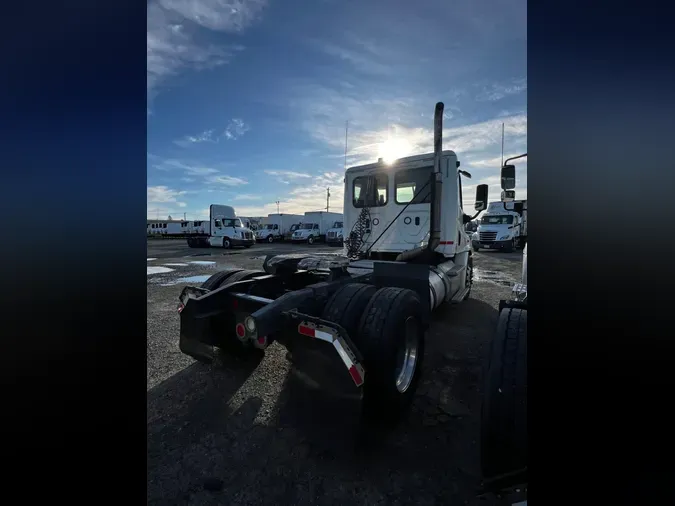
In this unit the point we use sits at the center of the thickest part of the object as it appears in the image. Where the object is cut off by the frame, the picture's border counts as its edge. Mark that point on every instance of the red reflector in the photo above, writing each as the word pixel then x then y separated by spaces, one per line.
pixel 261 340
pixel 356 376
pixel 180 307
pixel 241 331
pixel 306 331
pixel 235 303
pixel 447 242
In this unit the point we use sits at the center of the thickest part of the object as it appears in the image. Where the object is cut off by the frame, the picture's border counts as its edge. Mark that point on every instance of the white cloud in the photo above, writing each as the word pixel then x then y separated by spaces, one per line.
pixel 189 140
pixel 247 196
pixel 219 15
pixel 288 174
pixel 235 129
pixel 163 194
pixel 310 196
pixel 190 169
pixel 227 180
pixel 173 37
pixel 498 91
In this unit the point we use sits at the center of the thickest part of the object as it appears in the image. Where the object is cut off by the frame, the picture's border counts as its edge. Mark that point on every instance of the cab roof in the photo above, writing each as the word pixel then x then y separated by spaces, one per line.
pixel 407 159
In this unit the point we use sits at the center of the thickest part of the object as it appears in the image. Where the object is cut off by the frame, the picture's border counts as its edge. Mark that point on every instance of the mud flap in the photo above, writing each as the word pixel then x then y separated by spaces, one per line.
pixel 322 388
pixel 191 345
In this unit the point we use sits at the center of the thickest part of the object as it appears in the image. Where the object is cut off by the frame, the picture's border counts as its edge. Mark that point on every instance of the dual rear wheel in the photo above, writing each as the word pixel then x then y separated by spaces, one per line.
pixel 387 327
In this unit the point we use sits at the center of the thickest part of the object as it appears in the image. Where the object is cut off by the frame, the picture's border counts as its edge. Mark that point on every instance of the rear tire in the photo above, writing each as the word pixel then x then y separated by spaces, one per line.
pixel 310 240
pixel 346 306
pixel 219 278
pixel 226 243
pixel 391 339
pixel 511 247
pixel 504 410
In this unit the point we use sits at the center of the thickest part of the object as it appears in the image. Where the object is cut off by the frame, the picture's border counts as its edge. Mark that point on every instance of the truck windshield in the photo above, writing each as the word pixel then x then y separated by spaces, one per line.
pixel 270 227
pixel 497 220
pixel 307 226
pixel 337 224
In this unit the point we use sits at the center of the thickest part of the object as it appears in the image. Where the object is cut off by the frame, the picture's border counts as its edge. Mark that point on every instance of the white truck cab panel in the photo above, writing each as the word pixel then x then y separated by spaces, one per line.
pixel 386 189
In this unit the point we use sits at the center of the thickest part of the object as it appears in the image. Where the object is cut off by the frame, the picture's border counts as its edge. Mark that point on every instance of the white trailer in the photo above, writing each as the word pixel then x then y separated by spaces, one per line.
pixel 198 227
pixel 277 226
pixel 225 230
pixel 166 227
pixel 315 225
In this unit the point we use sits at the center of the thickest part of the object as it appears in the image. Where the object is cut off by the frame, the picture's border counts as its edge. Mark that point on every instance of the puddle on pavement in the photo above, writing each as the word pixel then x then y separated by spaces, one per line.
pixel 202 262
pixel 151 259
pixel 177 265
pixel 188 279
pixel 492 276
pixel 158 270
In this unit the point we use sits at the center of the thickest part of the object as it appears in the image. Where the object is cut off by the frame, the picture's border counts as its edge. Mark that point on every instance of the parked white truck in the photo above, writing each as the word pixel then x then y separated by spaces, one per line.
pixel 335 234
pixel 314 226
pixel 277 226
pixel 503 226
pixel 353 324
pixel 225 230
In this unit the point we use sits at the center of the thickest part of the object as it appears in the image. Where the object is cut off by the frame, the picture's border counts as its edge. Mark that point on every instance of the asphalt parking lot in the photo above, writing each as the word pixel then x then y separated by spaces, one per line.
pixel 230 433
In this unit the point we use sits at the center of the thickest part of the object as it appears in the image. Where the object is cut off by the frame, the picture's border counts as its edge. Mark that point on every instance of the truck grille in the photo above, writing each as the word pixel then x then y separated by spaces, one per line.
pixel 488 236
pixel 247 235
pixel 332 235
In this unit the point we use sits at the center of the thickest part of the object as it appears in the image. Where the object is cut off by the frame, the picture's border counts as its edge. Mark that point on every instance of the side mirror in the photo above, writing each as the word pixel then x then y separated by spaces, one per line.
pixel 508 195
pixel 508 177
pixel 481 197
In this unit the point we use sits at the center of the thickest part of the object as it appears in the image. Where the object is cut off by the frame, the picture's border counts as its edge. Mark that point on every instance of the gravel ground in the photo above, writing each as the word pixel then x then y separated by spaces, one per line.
pixel 235 433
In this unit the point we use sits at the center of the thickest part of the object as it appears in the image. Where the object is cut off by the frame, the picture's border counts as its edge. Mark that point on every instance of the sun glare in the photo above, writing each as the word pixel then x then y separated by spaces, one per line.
pixel 393 149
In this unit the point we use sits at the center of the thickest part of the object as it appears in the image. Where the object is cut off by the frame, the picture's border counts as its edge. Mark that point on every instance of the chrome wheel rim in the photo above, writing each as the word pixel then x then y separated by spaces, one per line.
pixel 407 356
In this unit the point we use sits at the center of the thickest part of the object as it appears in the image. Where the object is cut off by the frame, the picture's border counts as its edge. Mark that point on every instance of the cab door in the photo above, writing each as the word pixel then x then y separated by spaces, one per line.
pixel 412 187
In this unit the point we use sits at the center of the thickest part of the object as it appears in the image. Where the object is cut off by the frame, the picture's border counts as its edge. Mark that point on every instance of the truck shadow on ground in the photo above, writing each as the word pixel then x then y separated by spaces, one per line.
pixel 201 452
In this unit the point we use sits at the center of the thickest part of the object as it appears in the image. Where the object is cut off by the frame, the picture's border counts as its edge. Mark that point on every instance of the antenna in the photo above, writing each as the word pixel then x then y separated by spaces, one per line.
pixel 346 134
pixel 502 144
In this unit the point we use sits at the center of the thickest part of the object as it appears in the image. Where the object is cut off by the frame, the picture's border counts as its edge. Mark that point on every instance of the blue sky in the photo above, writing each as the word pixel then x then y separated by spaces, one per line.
pixel 248 99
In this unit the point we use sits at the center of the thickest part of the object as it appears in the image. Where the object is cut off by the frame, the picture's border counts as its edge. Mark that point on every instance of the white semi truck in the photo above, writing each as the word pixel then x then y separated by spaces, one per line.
pixel 277 226
pixel 354 325
pixel 314 226
pixel 503 226
pixel 224 230
pixel 335 234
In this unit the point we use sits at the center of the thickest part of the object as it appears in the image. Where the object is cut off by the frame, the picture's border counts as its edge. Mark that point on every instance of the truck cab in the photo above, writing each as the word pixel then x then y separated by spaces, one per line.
pixel 227 230
pixel 375 194
pixel 268 232
pixel 502 227
pixel 335 234
pixel 308 231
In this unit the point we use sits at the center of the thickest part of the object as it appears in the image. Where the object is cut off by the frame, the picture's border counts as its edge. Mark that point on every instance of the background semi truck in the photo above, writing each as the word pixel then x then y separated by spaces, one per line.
pixel 315 225
pixel 354 325
pixel 503 226
pixel 335 234
pixel 225 230
pixel 277 226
